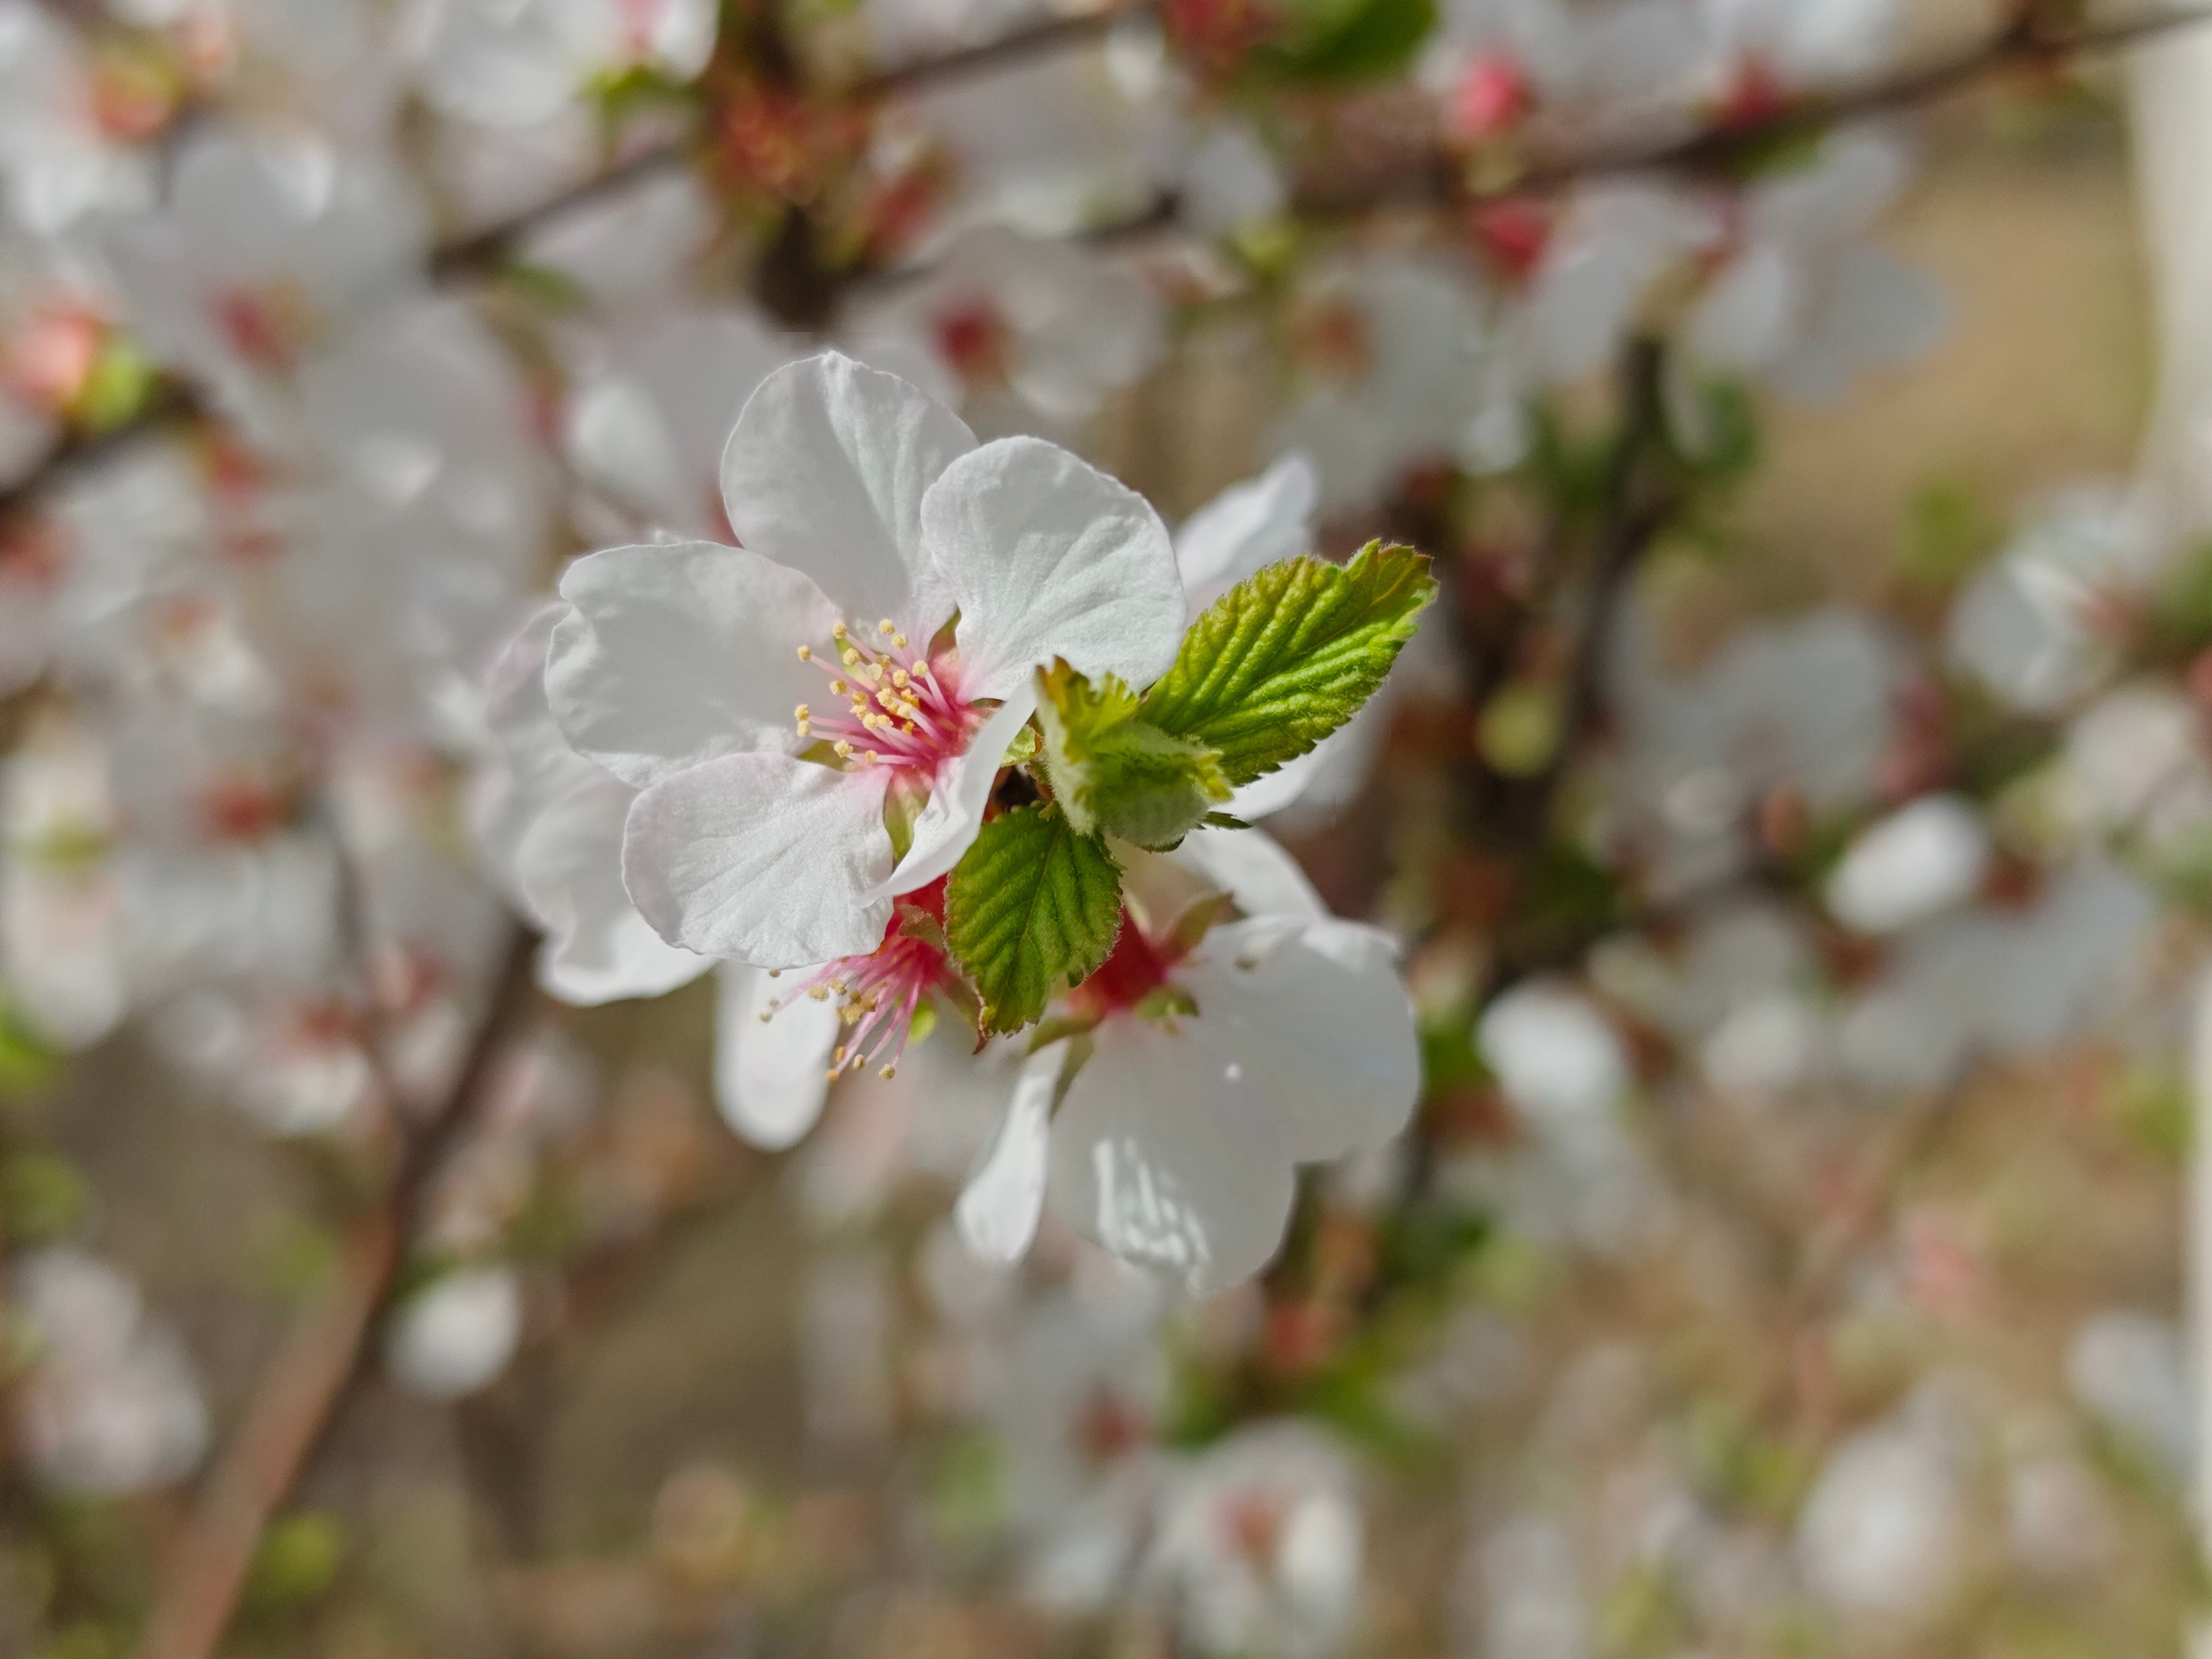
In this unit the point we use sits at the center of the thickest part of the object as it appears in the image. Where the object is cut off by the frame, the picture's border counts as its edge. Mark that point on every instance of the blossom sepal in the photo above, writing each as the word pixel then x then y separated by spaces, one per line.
pixel 1114 772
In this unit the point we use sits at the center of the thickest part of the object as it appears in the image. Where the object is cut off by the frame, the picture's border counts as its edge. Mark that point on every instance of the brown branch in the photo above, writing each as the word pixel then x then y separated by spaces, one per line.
pixel 301 1391
pixel 2020 43
pixel 482 251
pixel 1636 509
pixel 1435 181
pixel 1034 42
pixel 168 403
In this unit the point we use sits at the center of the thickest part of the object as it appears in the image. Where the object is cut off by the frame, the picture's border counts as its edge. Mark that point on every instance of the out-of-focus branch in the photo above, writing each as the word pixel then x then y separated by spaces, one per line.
pixel 1636 507
pixel 1561 160
pixel 1435 181
pixel 1038 40
pixel 299 1394
pixel 483 251
pixel 169 402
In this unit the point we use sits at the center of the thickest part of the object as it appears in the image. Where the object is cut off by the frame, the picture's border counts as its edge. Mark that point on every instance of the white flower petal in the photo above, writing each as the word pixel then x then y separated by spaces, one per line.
pixel 772 1074
pixel 945 827
pixel 1322 1030
pixel 1247 528
pixel 677 653
pixel 1252 869
pixel 1049 557
pixel 826 472
pixel 762 859
pixel 1168 1162
pixel 457 1335
pixel 998 1210
pixel 569 870
pixel 1902 869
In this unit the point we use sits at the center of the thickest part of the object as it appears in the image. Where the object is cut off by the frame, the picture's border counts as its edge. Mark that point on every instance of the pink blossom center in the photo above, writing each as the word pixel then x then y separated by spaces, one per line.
pixel 878 995
pixel 266 325
pixel 53 356
pixel 1491 94
pixel 898 706
pixel 972 336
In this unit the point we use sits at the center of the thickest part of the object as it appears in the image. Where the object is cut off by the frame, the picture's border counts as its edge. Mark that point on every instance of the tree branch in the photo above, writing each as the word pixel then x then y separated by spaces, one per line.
pixel 301 1391
pixel 1568 157
pixel 1634 513
pixel 1034 42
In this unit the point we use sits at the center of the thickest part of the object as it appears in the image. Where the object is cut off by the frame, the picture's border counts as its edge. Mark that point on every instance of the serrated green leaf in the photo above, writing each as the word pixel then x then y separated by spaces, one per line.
pixel 1034 904
pixel 1289 654
pixel 1112 773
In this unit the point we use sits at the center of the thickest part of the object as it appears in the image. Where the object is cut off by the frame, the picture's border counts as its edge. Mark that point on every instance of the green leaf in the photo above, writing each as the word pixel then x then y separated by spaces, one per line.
pixel 1034 904
pixel 1289 654
pixel 1333 41
pixel 299 1558
pixel 1112 773
pixel 119 384
pixel 42 1197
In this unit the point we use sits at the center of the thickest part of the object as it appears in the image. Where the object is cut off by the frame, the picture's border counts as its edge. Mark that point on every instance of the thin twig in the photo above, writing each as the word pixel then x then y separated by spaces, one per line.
pixel 2020 43
pixel 169 402
pixel 1436 180
pixel 483 251
pixel 298 1395
pixel 1034 41
pixel 1635 511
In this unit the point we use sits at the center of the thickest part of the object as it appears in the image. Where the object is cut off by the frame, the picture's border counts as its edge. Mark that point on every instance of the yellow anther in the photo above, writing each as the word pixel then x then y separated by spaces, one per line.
pixel 844 750
pixel 872 673
pixel 873 757
pixel 806 653
pixel 849 657
pixel 764 1018
pixel 775 973
pixel 837 1055
pixel 819 993
pixel 908 728
pixel 838 631
pixel 837 688
pixel 802 713
pixel 922 669
pixel 890 1071
pixel 898 641
pixel 902 679
pixel 887 626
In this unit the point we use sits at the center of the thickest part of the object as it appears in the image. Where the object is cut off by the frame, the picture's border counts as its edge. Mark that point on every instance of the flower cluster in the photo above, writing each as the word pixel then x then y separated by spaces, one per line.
pixel 956 825
pixel 649 636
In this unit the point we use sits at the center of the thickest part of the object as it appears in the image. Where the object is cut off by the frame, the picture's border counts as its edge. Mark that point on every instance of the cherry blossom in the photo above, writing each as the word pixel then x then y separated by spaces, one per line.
pixel 1214 1069
pixel 691 670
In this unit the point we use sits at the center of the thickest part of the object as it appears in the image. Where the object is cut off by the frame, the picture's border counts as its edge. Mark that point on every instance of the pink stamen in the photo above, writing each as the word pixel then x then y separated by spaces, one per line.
pixel 898 706
pixel 879 994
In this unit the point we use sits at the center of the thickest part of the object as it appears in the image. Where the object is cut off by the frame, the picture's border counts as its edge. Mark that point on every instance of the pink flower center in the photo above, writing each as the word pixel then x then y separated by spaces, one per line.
pixel 1131 972
pixel 267 325
pixel 1491 95
pixel 972 336
pixel 52 357
pixel 879 995
pixel 1514 233
pixel 901 707
pixel 1755 95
